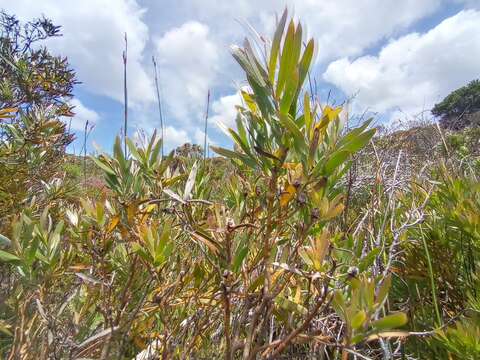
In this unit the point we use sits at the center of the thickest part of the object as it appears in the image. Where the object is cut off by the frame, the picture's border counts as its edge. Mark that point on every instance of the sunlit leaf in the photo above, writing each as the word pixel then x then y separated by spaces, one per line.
pixel 239 258
pixel 276 46
pixel 287 195
pixel 390 321
pixel 358 319
pixel 7 257
pixel 190 182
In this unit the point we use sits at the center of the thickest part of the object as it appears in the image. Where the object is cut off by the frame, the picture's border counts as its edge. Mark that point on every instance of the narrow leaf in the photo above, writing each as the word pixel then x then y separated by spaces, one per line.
pixel 390 321
pixel 7 257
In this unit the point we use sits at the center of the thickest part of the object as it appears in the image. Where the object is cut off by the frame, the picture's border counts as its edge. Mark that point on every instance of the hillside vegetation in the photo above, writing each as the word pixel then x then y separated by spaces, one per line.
pixel 310 239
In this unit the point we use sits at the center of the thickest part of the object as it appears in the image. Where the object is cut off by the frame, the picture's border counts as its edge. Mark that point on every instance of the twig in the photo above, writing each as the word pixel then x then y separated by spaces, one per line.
pixel 206 128
pixel 159 101
pixel 125 95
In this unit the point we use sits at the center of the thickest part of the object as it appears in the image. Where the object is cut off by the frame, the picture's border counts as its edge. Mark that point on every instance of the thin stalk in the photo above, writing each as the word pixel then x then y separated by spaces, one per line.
pixel 125 96
pixel 85 155
pixel 432 281
pixel 206 126
pixel 226 297
pixel 160 113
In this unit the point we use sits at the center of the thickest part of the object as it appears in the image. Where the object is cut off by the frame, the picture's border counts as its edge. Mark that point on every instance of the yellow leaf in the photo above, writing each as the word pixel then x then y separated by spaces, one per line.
pixel 334 211
pixel 290 166
pixel 323 206
pixel 79 267
pixel 8 110
pixel 287 195
pixel 139 342
pixel 210 243
pixel 317 251
pixel 298 295
pixel 335 207
pixel 321 246
pixel 150 208
pixel 297 173
pixel 249 101
pixel 113 223
pixel 131 211
pixel 276 274
pixel 7 113
pixel 331 113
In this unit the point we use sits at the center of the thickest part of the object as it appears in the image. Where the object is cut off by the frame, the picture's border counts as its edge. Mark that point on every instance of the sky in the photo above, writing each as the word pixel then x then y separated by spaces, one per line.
pixel 395 58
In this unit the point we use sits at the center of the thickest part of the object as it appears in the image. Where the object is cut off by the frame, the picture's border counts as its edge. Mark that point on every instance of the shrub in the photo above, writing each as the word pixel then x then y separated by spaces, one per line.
pixel 456 109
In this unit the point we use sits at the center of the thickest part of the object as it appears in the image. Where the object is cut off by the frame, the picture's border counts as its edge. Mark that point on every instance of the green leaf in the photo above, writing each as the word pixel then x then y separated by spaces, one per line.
pixel 357 338
pixel 288 97
pixel 368 260
pixel 7 257
pixel 234 155
pixel 138 249
pixel 277 38
pixel 100 212
pixel 360 141
pixel 358 319
pixel 164 238
pixel 133 150
pixel 256 66
pixel 240 142
pixel 286 61
pixel 102 165
pixel 256 283
pixel 4 328
pixel 337 159
pixel 307 114
pixel 118 152
pixel 249 67
pixel 305 257
pixel 339 305
pixel 305 62
pixel 384 288
pixel 289 305
pixel 390 321
pixel 354 133
pixel 293 129
pixel 156 151
pixel 239 257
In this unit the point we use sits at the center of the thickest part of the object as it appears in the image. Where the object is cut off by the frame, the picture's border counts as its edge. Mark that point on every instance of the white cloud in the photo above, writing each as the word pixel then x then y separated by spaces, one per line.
pixel 416 70
pixel 93 39
pixel 82 115
pixel 347 27
pixel 175 137
pixel 188 61
pixel 199 138
pixel 224 110
pixel 342 27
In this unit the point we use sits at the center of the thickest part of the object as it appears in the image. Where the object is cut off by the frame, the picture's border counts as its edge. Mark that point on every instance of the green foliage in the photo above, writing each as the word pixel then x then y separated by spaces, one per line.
pixel 30 75
pixel 462 340
pixel 34 89
pixel 31 150
pixel 457 105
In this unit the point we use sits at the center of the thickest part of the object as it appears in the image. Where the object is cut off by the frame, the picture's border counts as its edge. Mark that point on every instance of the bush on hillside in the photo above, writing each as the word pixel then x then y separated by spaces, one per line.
pixel 460 108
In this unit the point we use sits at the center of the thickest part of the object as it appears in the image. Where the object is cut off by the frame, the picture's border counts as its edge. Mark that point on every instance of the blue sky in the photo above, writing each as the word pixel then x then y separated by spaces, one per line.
pixel 398 57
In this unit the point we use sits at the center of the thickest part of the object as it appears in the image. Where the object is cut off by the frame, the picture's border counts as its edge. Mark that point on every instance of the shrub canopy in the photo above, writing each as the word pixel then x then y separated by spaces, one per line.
pixel 456 107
